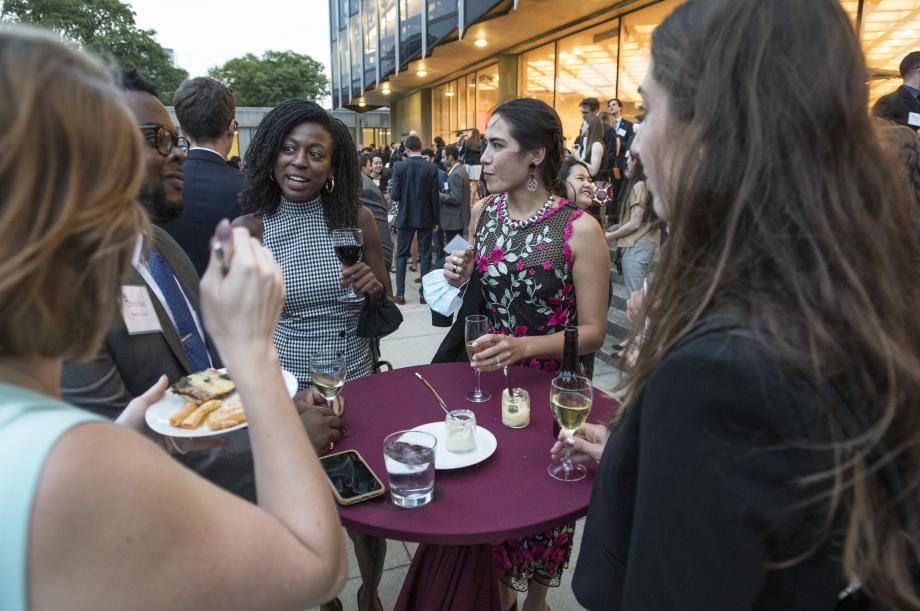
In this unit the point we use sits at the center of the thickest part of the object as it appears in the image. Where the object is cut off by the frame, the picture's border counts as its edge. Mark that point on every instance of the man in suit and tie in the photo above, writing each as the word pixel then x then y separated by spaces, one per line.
pixel 206 113
pixel 170 340
pixel 903 106
pixel 415 186
pixel 455 200
pixel 616 157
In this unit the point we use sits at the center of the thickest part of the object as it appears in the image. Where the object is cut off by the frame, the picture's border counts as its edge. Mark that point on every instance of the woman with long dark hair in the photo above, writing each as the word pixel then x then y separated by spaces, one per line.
pixel 639 231
pixel 541 265
pixel 304 182
pixel 768 449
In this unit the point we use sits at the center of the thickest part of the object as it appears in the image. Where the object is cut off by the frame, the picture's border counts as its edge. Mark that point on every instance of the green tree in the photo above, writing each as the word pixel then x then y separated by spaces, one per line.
pixel 272 78
pixel 105 27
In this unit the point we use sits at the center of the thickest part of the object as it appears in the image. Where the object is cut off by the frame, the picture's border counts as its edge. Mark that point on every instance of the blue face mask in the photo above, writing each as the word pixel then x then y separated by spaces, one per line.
pixel 440 296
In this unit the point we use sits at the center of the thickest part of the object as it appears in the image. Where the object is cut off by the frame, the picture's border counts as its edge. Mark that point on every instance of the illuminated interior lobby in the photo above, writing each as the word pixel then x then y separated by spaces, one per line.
pixel 441 66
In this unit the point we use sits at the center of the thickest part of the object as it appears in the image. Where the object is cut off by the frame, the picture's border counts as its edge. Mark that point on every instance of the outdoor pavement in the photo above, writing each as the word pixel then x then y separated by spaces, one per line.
pixel 415 344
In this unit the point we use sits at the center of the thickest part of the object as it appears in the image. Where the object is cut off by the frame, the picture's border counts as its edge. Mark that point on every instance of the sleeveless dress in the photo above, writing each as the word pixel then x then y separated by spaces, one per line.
pixel 526 274
pixel 312 320
pixel 30 426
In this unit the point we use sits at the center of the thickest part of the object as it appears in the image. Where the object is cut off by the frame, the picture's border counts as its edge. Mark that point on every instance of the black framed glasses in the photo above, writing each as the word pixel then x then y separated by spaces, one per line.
pixel 161 138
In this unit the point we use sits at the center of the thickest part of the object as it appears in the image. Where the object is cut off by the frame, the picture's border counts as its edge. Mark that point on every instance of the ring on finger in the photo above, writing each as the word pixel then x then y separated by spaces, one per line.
pixel 456 261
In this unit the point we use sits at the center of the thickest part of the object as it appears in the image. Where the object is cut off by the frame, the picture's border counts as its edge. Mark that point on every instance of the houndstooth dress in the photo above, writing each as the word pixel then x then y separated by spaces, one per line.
pixel 312 319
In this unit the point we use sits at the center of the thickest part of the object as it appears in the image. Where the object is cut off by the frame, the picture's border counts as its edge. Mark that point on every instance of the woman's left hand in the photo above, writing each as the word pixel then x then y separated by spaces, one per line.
pixel 361 277
pixel 502 350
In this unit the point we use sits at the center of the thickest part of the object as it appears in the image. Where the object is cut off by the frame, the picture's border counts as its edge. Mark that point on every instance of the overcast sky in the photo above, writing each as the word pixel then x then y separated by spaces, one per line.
pixel 206 33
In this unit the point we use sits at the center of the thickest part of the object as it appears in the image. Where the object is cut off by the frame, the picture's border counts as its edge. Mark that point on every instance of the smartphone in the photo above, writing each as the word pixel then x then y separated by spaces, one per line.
pixel 352 480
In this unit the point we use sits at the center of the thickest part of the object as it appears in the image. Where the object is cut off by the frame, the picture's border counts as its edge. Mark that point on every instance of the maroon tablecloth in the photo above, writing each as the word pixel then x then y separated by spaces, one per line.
pixel 508 495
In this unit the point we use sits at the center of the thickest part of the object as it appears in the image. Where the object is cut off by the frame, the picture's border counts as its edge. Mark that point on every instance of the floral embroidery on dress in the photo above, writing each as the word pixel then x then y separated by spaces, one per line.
pixel 526 270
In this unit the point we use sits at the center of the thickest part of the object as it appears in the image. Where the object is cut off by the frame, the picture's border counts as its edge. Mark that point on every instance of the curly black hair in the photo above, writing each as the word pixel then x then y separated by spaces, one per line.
pixel 131 80
pixel 262 196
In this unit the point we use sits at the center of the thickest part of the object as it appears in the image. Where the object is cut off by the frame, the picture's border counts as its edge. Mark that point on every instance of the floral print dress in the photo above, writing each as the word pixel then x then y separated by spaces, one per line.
pixel 525 268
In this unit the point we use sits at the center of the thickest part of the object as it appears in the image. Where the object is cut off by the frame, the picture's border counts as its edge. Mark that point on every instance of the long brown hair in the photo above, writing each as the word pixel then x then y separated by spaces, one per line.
pixel 71 165
pixel 809 248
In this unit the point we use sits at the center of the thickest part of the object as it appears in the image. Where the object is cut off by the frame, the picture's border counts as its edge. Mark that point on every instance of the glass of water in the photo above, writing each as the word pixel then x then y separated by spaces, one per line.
pixel 409 458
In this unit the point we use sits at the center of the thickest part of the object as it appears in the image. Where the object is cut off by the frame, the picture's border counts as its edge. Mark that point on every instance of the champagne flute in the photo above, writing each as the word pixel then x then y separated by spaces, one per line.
pixel 327 374
pixel 476 326
pixel 570 397
pixel 349 246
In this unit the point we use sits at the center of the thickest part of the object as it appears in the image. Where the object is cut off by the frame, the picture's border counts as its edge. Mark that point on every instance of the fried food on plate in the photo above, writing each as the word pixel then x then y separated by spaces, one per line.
pixel 194 420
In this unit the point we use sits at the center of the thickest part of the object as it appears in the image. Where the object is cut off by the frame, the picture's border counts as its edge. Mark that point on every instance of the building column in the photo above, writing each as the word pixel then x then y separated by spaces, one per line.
pixel 507 77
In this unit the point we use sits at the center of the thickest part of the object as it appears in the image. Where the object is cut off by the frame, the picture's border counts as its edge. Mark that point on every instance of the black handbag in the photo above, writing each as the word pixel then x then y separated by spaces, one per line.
pixel 378 318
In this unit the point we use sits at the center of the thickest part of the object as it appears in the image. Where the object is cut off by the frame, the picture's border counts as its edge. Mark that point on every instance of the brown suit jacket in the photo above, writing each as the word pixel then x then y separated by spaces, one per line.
pixel 127 365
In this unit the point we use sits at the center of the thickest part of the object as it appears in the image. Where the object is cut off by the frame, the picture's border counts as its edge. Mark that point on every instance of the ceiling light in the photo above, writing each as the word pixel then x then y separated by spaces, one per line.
pixel 422 73
pixel 481 42
pixel 386 92
pixel 362 104
pixel 449 94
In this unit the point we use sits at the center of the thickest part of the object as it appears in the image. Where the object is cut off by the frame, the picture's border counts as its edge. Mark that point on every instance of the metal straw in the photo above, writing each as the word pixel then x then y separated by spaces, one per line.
pixel 434 392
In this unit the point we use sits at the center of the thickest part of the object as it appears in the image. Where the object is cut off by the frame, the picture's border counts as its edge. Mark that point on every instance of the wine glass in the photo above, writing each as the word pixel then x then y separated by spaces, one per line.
pixel 349 246
pixel 476 326
pixel 327 374
pixel 570 397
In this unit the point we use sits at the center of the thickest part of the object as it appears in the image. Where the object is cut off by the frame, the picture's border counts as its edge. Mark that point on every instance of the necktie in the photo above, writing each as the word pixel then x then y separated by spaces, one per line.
pixel 192 342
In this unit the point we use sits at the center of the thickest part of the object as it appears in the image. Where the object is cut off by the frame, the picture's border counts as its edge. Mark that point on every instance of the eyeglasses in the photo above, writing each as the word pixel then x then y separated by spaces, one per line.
pixel 162 139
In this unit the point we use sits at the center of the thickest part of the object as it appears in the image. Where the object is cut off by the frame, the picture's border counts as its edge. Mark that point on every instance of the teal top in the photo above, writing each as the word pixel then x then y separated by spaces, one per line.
pixel 30 425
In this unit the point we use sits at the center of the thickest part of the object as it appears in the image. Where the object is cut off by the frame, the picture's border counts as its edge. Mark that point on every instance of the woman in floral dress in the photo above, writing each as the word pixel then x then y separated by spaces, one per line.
pixel 542 266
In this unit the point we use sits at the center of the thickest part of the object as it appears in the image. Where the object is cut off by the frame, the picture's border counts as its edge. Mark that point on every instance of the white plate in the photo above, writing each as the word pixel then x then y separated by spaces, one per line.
pixel 485 447
pixel 158 414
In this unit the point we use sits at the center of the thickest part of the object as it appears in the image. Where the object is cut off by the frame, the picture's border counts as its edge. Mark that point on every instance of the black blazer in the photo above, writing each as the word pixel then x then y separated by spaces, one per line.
pixel 896 106
pixel 210 193
pixel 699 488
pixel 127 365
pixel 415 186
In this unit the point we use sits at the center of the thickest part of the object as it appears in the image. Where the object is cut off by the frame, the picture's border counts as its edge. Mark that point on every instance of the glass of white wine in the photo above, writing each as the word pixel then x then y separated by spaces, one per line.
pixel 475 327
pixel 570 397
pixel 327 374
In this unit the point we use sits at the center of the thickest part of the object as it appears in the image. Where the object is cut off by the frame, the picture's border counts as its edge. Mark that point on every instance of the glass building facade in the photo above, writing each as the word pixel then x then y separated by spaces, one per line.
pixel 430 62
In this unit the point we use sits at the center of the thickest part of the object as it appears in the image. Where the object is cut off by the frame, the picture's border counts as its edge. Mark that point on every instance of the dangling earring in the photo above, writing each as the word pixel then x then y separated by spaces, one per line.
pixel 330 189
pixel 532 181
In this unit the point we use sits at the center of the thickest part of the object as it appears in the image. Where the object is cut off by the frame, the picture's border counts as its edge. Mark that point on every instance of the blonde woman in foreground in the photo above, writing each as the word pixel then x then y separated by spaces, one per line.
pixel 95 515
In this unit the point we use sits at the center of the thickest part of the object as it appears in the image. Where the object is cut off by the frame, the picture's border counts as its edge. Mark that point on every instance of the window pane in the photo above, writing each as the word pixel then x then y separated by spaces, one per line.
pixel 354 36
pixel 343 14
pixel 438 111
pixel 452 113
pixel 634 59
pixel 344 63
pixel 410 32
pixel 890 30
pixel 587 68
pixel 442 19
pixel 387 36
pixel 470 101
pixel 460 86
pixel 537 71
pixel 369 17
pixel 486 95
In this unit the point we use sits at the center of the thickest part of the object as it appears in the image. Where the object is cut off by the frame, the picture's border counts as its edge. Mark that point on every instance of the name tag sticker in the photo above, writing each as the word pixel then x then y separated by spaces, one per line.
pixel 914 119
pixel 446 186
pixel 137 310
pixel 621 133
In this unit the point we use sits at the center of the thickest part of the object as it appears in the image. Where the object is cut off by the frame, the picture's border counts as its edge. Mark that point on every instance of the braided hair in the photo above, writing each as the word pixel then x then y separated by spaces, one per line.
pixel 262 196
